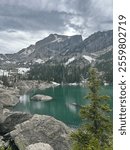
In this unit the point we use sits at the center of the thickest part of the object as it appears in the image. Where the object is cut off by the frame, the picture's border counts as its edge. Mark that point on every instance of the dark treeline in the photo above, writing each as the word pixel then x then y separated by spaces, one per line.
pixel 66 74
pixel 107 68
pixel 58 73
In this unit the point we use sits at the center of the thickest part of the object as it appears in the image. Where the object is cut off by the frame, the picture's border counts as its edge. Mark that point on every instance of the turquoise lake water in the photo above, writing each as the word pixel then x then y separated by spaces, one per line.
pixel 62 105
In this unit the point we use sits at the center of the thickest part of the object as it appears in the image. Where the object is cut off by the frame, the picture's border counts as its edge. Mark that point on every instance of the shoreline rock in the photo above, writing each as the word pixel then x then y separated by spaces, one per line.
pixel 9 97
pixel 11 119
pixel 40 97
pixel 27 85
pixel 39 146
pixel 2 143
pixel 42 128
pixel 24 129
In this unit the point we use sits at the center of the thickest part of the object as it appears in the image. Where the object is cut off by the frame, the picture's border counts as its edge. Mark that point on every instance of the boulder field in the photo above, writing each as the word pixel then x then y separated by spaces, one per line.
pixel 30 131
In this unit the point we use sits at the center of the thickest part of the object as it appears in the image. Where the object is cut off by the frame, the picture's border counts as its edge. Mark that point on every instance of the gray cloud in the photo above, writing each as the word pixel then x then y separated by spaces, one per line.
pixel 32 20
pixel 21 18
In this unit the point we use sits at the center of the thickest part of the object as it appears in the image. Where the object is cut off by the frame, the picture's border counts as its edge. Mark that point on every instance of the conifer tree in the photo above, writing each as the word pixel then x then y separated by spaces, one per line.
pixel 96 131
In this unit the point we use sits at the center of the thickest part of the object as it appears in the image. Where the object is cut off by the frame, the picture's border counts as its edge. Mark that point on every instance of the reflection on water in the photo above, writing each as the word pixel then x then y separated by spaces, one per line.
pixel 39 106
pixel 64 106
pixel 71 107
pixel 24 99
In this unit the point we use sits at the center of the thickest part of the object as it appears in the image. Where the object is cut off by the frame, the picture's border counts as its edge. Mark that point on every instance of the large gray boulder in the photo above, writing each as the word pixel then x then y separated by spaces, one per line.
pixel 9 97
pixel 39 146
pixel 11 119
pixel 40 97
pixel 41 128
pixel 1 111
pixel 2 143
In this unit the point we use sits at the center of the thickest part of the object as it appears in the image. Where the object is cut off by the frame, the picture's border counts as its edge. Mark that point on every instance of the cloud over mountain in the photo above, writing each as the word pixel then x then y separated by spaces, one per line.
pixel 23 22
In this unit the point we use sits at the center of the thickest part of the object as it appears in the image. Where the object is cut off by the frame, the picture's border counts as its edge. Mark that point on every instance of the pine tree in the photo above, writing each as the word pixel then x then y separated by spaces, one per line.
pixel 5 81
pixel 96 131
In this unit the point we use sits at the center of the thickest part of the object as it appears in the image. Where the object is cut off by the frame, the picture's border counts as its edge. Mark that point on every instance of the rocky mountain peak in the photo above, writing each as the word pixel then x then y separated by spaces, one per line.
pixel 98 41
pixel 55 38
pixel 95 42
pixel 62 49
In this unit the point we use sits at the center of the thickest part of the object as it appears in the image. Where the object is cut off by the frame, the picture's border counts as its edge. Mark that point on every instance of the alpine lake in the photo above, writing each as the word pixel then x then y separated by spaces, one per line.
pixel 65 105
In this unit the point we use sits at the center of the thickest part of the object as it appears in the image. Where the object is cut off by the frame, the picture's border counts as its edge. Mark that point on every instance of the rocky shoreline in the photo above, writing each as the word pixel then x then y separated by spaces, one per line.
pixel 27 85
pixel 10 96
pixel 29 132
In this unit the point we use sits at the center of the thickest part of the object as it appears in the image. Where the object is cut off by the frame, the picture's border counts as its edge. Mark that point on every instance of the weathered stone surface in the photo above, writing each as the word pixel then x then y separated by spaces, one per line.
pixel 39 146
pixel 1 111
pixel 27 85
pixel 1 86
pixel 9 97
pixel 40 97
pixel 10 119
pixel 2 143
pixel 8 100
pixel 41 128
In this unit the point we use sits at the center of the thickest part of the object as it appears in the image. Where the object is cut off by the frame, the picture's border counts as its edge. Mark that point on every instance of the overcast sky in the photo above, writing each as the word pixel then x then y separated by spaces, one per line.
pixel 23 22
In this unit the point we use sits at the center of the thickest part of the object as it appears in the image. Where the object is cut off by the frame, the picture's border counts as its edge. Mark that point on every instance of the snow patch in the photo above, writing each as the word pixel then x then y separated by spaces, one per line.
pixel 57 39
pixel 73 84
pixel 90 59
pixel 28 51
pixel 70 60
pixel 4 72
pixel 55 83
pixel 39 61
pixel 8 62
pixel 23 70
pixel 51 57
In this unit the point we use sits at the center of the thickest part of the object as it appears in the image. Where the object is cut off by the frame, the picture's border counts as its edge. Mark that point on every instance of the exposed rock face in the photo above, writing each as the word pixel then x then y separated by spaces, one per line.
pixel 9 97
pixel 43 49
pixel 39 146
pixel 41 97
pixel 27 85
pixel 97 50
pixel 8 100
pixel 96 42
pixel 55 44
pixel 41 128
pixel 10 119
pixel 1 141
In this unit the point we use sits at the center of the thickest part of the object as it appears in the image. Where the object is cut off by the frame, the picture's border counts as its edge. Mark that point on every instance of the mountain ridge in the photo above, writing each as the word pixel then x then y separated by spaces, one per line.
pixel 57 48
pixel 63 58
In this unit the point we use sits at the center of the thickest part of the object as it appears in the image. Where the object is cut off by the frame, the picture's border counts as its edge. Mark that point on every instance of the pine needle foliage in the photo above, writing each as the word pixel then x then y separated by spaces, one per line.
pixel 96 131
